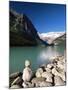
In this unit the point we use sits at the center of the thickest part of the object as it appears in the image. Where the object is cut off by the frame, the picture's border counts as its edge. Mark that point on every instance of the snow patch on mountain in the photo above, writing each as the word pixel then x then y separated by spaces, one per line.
pixel 50 36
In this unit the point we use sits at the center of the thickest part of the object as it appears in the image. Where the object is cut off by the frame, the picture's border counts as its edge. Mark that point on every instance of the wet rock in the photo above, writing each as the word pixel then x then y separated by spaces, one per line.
pixel 27 74
pixel 39 72
pixel 17 81
pixel 58 81
pixel 48 76
pixel 15 87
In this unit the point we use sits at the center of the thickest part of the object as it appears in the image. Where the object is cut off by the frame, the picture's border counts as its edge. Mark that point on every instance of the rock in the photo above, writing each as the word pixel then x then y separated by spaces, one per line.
pixel 27 63
pixel 62 75
pixel 59 72
pixel 45 84
pixel 61 65
pixel 40 82
pixel 55 72
pixel 48 70
pixel 15 87
pixel 61 58
pixel 36 80
pixel 27 85
pixel 50 66
pixel 58 81
pixel 24 85
pixel 48 76
pixel 39 72
pixel 14 75
pixel 17 81
pixel 43 66
pixel 27 74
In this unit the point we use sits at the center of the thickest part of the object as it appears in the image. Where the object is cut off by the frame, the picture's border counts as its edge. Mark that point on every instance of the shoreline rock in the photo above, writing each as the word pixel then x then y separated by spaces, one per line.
pixel 52 74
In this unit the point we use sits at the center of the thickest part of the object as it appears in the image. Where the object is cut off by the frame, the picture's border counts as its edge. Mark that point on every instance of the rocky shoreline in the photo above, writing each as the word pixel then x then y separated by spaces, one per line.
pixel 52 74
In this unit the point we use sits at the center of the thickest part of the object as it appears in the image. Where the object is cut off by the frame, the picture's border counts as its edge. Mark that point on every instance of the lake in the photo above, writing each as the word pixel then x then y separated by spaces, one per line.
pixel 37 55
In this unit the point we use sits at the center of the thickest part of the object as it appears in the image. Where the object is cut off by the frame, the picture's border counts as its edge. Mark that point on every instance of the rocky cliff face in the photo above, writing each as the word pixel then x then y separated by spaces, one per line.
pixel 22 31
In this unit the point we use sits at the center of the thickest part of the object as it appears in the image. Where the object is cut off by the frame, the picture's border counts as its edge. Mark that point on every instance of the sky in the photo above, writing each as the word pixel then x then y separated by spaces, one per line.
pixel 45 17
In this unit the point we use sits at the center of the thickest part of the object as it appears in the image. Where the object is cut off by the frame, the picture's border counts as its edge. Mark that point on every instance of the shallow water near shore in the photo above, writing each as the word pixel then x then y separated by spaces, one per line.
pixel 38 56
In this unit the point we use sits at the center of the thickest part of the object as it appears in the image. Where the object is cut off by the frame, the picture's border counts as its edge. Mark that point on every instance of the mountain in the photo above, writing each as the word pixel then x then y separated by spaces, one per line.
pixel 53 37
pixel 22 31
pixel 60 40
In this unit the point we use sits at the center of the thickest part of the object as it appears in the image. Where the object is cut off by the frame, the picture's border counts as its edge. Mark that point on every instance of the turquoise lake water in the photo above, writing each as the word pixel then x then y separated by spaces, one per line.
pixel 37 55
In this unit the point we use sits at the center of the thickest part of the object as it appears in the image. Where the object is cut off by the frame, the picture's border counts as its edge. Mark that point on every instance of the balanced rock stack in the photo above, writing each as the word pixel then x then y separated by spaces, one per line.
pixel 52 74
pixel 27 75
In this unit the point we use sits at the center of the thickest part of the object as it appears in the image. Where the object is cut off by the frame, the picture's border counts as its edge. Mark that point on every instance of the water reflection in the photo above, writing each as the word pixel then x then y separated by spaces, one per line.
pixel 45 54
